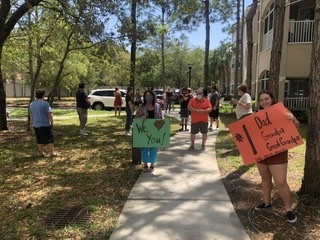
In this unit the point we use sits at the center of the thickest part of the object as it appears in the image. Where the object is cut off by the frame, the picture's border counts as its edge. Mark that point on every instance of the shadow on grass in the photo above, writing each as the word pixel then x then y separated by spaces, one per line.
pixel 92 171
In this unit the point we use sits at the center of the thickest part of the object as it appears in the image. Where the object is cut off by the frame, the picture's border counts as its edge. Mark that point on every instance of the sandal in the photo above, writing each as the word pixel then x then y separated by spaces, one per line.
pixel 145 168
pixel 41 154
pixel 54 154
pixel 191 147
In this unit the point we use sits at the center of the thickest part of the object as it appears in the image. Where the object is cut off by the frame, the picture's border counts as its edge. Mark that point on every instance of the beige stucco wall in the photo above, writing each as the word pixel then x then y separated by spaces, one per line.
pixel 298 60
pixel 263 62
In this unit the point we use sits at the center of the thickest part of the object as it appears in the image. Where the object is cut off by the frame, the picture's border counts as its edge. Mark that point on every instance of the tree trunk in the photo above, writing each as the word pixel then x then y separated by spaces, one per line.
pixel 133 44
pixel 14 83
pixel 227 75
pixel 242 44
pixel 3 104
pixel 222 75
pixel 311 180
pixel 7 22
pixel 249 20
pixel 237 65
pixel 207 47
pixel 163 72
pixel 276 52
pixel 58 77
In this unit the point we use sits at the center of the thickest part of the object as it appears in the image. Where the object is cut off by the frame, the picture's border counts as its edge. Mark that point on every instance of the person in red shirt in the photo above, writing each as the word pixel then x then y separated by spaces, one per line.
pixel 199 108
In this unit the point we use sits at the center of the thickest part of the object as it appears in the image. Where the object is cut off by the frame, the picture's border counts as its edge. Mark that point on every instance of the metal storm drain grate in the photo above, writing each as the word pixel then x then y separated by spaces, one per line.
pixel 71 216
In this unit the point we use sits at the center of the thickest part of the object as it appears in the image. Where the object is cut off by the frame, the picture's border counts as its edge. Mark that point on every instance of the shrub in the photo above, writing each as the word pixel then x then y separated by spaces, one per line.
pixel 300 113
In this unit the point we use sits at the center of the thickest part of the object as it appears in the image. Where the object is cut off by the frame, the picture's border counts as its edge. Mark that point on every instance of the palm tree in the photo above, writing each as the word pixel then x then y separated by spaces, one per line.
pixel 220 65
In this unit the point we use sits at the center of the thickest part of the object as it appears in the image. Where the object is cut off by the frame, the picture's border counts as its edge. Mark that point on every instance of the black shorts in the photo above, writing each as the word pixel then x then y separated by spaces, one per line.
pixel 44 135
pixel 137 103
pixel 214 114
pixel 199 127
pixel 184 113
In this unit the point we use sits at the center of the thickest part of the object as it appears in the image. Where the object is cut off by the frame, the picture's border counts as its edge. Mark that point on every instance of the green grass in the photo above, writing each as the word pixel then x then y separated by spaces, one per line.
pixel 95 172
pixel 23 112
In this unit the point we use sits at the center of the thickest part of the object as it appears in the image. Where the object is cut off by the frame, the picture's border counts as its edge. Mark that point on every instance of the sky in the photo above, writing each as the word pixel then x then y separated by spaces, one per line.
pixel 198 38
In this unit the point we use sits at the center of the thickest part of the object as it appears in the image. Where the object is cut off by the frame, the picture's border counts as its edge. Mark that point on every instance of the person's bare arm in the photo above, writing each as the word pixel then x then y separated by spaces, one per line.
pixel 31 120
pixel 50 118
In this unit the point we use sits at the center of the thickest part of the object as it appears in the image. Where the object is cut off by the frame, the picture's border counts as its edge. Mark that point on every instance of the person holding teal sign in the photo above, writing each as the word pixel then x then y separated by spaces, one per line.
pixel 149 109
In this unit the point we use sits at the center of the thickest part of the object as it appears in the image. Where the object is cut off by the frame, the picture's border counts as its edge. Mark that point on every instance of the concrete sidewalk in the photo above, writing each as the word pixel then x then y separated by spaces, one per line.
pixel 183 199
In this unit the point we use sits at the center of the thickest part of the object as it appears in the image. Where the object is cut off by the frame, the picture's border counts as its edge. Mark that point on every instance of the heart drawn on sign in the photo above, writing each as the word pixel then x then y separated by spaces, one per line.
pixel 159 124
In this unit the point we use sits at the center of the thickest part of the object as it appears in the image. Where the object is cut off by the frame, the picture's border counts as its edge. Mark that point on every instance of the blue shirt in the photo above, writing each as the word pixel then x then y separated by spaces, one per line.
pixel 39 110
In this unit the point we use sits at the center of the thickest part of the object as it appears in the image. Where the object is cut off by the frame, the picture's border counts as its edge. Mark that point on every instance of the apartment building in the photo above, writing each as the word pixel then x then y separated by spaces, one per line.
pixel 296 50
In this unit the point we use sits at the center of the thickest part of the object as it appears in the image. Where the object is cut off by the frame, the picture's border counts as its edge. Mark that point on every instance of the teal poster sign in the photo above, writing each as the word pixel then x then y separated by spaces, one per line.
pixel 151 133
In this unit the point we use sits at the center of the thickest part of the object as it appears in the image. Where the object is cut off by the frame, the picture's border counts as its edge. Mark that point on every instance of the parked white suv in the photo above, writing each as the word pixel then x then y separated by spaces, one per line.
pixel 101 99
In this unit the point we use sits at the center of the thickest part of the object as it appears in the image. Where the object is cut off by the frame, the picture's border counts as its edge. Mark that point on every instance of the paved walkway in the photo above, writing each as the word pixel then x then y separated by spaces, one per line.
pixel 183 199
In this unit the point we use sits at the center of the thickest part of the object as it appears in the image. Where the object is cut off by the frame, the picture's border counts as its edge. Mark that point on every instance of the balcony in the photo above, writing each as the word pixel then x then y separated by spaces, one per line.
pixel 301 31
pixel 267 40
pixel 299 102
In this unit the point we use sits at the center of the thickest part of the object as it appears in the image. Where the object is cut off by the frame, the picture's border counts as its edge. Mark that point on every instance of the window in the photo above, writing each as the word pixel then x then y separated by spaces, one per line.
pixel 269 19
pixel 264 81
pixel 307 13
pixel 298 86
pixel 107 93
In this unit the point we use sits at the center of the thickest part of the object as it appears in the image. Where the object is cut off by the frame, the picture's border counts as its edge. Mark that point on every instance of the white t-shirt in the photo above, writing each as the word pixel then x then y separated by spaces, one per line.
pixel 240 110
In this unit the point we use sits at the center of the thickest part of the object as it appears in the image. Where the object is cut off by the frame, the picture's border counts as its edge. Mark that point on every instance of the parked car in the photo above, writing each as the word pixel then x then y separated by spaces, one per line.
pixel 177 93
pixel 101 99
pixel 159 94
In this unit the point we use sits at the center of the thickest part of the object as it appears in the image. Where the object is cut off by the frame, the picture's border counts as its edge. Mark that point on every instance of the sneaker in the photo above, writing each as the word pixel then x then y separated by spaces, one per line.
pixel 84 133
pixel 203 147
pixel 191 147
pixel 262 206
pixel 151 168
pixel 181 129
pixel 186 129
pixel 291 217
pixel 210 128
pixel 145 168
pixel 128 134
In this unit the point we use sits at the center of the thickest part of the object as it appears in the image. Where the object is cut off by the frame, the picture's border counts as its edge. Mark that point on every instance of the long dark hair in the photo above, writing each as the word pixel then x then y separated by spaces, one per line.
pixel 154 97
pixel 266 91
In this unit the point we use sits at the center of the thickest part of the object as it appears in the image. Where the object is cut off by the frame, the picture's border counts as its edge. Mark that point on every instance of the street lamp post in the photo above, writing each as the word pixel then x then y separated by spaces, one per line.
pixel 190 67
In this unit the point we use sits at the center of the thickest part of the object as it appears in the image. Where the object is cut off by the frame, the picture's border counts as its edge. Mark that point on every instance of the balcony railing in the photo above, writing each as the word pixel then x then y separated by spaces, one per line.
pixel 267 40
pixel 300 102
pixel 301 31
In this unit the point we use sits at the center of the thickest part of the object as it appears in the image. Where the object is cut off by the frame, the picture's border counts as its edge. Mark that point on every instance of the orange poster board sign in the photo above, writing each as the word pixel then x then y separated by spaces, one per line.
pixel 264 134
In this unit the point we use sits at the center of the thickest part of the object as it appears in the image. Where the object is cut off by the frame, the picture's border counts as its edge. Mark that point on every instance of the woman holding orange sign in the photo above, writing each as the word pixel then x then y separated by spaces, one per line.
pixel 275 167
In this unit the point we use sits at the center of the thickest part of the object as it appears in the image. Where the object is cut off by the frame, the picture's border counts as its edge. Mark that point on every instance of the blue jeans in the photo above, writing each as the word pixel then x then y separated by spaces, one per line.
pixel 129 119
pixel 149 155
